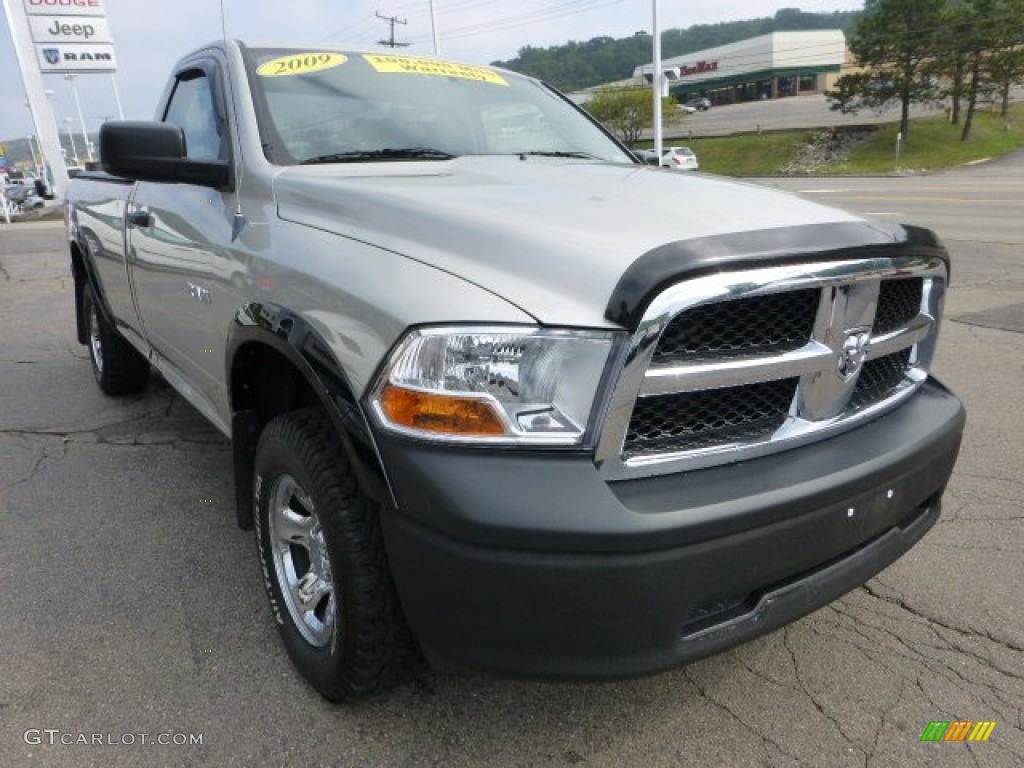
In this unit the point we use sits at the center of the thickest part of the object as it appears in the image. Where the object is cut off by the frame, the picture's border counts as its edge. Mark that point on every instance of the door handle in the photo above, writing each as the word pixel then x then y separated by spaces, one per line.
pixel 142 219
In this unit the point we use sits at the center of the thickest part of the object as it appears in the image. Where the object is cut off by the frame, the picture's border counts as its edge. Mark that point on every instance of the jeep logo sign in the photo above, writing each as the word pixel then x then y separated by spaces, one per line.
pixel 65 7
pixel 74 29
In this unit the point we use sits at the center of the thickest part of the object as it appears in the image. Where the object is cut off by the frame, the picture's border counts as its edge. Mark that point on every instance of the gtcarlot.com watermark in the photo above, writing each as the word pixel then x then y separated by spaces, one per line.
pixel 55 736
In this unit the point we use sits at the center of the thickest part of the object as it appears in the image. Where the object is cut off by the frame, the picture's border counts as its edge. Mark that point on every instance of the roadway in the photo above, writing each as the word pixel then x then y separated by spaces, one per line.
pixel 983 202
pixel 131 603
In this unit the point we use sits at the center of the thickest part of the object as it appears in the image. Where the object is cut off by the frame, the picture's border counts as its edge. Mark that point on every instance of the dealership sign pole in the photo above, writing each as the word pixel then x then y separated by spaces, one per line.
pixel 57 37
pixel 38 104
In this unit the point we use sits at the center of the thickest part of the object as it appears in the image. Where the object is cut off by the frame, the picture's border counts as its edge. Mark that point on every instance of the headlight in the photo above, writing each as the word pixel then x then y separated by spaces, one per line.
pixel 505 385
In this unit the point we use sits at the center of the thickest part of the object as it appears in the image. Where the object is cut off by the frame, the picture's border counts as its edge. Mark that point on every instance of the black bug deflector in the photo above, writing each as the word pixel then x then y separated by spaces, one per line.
pixel 687 259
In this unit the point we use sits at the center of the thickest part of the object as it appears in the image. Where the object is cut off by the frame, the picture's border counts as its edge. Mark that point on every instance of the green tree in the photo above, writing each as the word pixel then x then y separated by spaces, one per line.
pixel 629 111
pixel 894 40
pixel 1007 68
pixel 993 31
pixel 950 61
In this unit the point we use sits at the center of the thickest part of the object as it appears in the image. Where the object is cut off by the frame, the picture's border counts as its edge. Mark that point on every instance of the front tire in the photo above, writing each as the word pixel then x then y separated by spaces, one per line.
pixel 320 546
pixel 119 368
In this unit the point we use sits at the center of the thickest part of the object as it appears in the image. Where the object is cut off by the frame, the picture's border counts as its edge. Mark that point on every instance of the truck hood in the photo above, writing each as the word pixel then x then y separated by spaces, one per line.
pixel 552 237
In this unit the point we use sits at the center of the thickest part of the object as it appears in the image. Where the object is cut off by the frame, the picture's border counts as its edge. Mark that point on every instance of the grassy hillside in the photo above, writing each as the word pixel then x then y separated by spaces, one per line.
pixel 934 144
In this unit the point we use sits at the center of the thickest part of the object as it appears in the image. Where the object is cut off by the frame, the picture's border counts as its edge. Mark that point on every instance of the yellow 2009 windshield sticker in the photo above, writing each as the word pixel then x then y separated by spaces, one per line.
pixel 300 64
pixel 413 65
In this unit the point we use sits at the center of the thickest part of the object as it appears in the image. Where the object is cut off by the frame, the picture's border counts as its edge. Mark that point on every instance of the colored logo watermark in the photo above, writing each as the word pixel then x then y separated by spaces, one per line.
pixel 958 730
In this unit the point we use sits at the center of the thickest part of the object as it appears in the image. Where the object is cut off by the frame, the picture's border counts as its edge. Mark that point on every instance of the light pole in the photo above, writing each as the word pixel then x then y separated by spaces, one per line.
pixel 433 28
pixel 37 161
pixel 71 138
pixel 32 149
pixel 117 96
pixel 70 77
pixel 48 171
pixel 656 81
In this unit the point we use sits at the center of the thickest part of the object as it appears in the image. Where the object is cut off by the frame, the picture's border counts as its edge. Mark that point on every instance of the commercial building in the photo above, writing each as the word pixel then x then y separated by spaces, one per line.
pixel 770 66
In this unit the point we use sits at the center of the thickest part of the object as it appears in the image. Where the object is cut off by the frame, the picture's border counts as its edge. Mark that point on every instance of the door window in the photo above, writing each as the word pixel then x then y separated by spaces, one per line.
pixel 191 108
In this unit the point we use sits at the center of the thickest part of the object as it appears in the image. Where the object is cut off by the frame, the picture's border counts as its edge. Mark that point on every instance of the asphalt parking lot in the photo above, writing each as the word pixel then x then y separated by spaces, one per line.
pixel 132 604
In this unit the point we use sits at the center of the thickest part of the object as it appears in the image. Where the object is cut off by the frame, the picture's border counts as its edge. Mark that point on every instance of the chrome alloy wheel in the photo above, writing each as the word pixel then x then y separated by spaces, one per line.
pixel 95 342
pixel 301 562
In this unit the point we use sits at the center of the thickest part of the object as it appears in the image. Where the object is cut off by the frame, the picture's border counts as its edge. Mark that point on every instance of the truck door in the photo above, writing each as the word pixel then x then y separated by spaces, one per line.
pixel 100 214
pixel 181 253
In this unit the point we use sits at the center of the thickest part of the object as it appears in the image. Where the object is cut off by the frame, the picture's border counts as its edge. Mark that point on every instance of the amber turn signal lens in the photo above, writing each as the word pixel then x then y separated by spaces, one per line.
pixel 440 413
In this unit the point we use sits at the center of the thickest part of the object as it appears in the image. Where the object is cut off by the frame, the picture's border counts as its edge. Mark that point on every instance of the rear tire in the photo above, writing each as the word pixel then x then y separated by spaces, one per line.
pixel 324 565
pixel 119 368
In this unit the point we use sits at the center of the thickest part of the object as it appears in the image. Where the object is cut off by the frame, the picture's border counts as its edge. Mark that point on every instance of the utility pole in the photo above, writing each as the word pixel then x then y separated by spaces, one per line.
pixel 392 20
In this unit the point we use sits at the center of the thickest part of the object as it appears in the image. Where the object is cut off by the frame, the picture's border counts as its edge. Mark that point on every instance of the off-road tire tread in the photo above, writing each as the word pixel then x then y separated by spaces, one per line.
pixel 376 648
pixel 125 370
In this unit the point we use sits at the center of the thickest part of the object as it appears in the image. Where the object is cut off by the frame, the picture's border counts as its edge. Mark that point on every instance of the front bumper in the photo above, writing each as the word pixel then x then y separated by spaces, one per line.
pixel 528 563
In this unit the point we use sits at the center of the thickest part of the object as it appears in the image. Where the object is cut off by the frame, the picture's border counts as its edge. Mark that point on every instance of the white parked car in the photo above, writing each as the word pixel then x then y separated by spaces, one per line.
pixel 679 158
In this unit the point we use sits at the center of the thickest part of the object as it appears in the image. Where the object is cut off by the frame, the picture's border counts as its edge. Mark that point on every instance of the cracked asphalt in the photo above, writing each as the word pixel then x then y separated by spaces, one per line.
pixel 132 604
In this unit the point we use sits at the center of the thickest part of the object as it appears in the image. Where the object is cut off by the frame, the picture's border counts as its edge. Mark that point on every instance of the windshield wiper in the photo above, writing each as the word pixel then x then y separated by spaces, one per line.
pixel 540 153
pixel 371 155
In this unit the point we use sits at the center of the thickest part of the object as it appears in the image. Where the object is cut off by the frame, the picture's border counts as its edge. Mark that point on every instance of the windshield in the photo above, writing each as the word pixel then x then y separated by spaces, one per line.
pixel 329 106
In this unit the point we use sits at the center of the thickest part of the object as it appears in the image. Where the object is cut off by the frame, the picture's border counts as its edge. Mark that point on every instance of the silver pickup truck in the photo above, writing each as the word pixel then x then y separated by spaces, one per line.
pixel 499 396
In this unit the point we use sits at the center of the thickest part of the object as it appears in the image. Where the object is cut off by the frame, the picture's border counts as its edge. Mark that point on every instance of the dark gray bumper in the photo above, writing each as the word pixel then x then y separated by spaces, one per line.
pixel 528 563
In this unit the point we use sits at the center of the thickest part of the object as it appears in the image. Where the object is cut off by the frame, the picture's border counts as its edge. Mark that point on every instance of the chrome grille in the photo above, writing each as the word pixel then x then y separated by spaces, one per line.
pixel 778 322
pixel 735 365
pixel 713 417
pixel 899 301
pixel 880 378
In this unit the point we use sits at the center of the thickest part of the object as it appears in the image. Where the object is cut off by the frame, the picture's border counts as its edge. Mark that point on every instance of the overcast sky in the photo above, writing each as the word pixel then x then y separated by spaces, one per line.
pixel 151 35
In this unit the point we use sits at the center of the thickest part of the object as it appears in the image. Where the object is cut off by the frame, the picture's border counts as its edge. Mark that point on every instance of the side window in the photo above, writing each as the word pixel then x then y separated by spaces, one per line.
pixel 192 109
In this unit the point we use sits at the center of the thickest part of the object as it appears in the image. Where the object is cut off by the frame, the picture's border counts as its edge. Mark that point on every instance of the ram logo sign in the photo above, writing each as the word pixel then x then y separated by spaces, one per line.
pixel 74 57
pixel 958 730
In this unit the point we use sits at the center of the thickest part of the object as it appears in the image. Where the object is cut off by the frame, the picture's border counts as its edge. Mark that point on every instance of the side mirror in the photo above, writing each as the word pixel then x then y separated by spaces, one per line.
pixel 153 151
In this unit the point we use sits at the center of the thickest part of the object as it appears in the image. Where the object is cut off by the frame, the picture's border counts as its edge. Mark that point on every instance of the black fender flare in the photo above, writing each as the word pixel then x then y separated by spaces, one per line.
pixel 86 276
pixel 293 338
